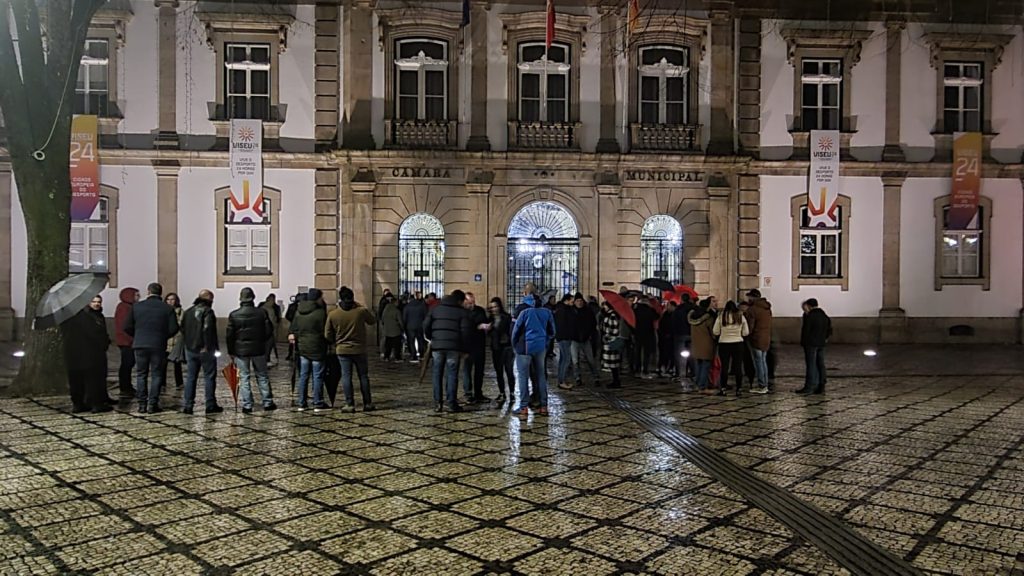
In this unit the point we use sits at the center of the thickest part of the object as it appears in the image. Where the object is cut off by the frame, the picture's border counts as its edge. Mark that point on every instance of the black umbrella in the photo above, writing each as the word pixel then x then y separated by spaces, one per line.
pixel 67 298
pixel 332 376
pixel 663 285
pixel 548 294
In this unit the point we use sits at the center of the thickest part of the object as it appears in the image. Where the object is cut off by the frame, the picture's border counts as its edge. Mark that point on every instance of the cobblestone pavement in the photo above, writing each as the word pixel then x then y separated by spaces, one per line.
pixel 929 467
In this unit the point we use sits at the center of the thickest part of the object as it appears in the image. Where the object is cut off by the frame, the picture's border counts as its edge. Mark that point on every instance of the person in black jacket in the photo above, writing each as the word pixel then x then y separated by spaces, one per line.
pixel 199 330
pixel 565 320
pixel 645 338
pixel 476 352
pixel 502 353
pixel 448 328
pixel 413 315
pixel 681 337
pixel 151 323
pixel 306 333
pixel 584 330
pixel 85 356
pixel 249 328
pixel 666 342
pixel 815 331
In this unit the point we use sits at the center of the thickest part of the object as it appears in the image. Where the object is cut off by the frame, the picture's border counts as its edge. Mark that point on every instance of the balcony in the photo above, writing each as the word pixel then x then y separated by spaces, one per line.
pixel 665 137
pixel 420 133
pixel 543 135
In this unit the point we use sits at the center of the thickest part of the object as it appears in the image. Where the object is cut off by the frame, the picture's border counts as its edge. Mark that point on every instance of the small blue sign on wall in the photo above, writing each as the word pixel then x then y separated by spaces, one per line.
pixel 478 278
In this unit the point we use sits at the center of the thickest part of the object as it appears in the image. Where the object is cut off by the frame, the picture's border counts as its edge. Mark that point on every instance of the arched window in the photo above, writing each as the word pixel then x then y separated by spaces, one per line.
pixel 543 248
pixel 421 255
pixel 661 249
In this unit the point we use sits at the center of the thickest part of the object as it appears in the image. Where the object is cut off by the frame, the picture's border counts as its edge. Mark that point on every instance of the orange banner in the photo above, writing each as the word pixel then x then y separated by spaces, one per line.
pixel 85 167
pixel 963 200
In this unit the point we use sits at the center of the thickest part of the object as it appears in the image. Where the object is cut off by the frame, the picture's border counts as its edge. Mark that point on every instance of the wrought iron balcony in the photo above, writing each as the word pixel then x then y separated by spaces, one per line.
pixel 420 133
pixel 665 137
pixel 543 135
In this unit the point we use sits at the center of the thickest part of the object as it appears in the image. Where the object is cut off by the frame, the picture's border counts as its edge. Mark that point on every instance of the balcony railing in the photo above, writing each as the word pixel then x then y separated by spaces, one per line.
pixel 543 135
pixel 665 137
pixel 420 133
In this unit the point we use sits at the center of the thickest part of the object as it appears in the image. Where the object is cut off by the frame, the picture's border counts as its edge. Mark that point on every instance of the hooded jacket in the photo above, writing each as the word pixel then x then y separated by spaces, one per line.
pixel 448 326
pixel 199 327
pixel 760 323
pixel 346 327
pixel 308 326
pixel 533 329
pixel 249 329
pixel 391 320
pixel 816 329
pixel 702 341
pixel 121 313
pixel 151 323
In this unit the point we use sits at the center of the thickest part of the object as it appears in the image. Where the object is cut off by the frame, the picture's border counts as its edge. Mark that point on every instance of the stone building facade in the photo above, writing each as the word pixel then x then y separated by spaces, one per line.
pixel 406 150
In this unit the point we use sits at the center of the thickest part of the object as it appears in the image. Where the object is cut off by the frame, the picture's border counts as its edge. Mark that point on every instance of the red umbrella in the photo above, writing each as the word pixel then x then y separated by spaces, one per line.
pixel 621 306
pixel 230 373
pixel 684 289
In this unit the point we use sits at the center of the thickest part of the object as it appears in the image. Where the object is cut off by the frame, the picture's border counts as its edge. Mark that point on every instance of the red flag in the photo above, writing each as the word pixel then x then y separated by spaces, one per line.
pixel 549 34
pixel 634 15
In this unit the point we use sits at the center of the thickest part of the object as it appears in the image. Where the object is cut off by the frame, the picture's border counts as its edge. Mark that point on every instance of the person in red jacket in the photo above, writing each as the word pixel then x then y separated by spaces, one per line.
pixel 129 296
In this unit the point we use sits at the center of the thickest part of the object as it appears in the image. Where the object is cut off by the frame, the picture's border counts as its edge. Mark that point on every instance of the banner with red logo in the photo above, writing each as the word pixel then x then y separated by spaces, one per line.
pixel 823 181
pixel 963 200
pixel 246 161
pixel 85 167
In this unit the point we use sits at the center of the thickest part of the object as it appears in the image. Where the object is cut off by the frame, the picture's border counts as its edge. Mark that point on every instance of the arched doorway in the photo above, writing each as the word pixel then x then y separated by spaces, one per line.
pixel 421 255
pixel 661 250
pixel 543 248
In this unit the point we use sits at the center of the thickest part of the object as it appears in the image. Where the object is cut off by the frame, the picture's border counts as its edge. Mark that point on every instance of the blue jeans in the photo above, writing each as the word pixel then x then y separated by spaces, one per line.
pixel 564 359
pixel 259 365
pixel 760 366
pixel 523 364
pixel 208 362
pixel 359 361
pixel 702 373
pixel 814 358
pixel 306 366
pixel 446 365
pixel 150 373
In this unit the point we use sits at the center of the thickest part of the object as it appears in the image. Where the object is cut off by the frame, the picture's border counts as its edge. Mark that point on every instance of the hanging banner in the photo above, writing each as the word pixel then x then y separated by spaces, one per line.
pixel 85 167
pixel 823 181
pixel 246 171
pixel 963 200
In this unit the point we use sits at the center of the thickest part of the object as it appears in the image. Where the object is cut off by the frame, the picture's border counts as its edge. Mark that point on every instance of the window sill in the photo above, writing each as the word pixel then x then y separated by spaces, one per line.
pixel 943 281
pixel 271 129
pixel 802 139
pixel 800 281
pixel 944 145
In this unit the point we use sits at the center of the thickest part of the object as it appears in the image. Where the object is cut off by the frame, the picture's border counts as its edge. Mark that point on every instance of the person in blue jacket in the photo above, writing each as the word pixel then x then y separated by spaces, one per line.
pixel 534 329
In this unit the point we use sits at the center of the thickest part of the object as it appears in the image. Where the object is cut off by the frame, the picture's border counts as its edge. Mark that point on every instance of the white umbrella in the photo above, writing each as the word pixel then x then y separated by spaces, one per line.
pixel 67 298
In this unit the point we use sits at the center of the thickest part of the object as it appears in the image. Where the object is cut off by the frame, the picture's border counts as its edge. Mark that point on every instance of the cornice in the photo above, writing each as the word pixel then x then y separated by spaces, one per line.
pixel 565 23
pixel 849 40
pixel 941 42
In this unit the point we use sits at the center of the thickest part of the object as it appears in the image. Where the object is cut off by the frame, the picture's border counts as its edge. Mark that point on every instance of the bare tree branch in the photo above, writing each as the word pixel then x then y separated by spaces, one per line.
pixel 33 60
pixel 12 90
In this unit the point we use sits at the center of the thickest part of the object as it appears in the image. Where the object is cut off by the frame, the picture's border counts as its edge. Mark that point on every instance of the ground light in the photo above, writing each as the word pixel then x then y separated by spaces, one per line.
pixel 216 354
pixel 685 353
pixel 870 353
pixel 19 354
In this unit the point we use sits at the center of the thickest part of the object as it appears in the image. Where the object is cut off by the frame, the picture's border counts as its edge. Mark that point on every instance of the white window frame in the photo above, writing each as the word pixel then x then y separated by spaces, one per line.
pixel 961 83
pixel 421 64
pixel 99 221
pixel 663 71
pixel 820 234
pixel 87 67
pixel 248 66
pixel 249 248
pixel 820 80
pixel 959 238
pixel 544 67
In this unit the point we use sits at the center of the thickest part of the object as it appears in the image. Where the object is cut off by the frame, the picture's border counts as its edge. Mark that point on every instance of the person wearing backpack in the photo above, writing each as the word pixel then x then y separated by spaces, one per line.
pixel 199 339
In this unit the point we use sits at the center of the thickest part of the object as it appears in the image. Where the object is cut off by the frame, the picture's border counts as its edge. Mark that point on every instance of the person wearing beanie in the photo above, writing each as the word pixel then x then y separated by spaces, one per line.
pixel 249 328
pixel 199 330
pixel 306 333
pixel 345 330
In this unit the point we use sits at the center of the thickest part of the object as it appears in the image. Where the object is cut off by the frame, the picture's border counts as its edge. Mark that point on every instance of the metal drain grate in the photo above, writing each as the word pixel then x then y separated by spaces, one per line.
pixel 844 545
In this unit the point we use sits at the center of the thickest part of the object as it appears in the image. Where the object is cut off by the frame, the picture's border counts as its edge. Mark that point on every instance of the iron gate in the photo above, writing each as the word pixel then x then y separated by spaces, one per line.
pixel 549 264
pixel 421 265
pixel 660 258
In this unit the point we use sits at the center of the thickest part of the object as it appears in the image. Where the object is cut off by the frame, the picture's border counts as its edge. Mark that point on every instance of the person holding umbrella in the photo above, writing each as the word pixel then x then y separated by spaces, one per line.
pixel 151 324
pixel 612 344
pixel 85 355
pixel 199 340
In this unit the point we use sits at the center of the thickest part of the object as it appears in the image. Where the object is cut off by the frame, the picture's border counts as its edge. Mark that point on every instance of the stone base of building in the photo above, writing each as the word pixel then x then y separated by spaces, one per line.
pixel 8 326
pixel 908 330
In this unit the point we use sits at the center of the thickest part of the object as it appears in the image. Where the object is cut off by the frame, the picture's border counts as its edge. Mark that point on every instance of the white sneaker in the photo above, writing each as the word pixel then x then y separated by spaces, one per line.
pixel 759 390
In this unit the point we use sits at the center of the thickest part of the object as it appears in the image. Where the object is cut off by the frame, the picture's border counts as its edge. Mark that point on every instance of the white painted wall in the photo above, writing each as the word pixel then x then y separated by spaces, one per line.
pixel 198 225
pixel 703 94
pixel 590 85
pixel 136 234
pixel 1008 101
pixel 776 93
pixel 295 75
pixel 918 92
pixel 867 101
pixel 497 81
pixel 377 92
pixel 138 71
pixel 196 81
pixel 864 298
pixel 917 253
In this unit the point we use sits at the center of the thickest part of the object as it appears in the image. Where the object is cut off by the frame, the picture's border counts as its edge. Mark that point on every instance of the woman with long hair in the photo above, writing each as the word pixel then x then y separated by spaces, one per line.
pixel 502 353
pixel 176 344
pixel 731 328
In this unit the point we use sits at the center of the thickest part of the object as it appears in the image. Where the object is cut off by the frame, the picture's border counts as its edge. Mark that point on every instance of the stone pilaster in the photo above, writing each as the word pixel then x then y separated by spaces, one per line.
pixel 723 80
pixel 478 141
pixel 7 324
pixel 357 234
pixel 892 319
pixel 478 188
pixel 749 123
pixel 722 249
pixel 893 54
pixel 357 128
pixel 325 234
pixel 325 71
pixel 1020 321
pixel 748 251
pixel 167 129
pixel 608 143
pixel 609 201
pixel 167 226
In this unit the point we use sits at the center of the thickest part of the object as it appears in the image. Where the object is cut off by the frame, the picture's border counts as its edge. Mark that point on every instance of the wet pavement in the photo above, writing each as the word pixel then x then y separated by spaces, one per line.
pixel 916 451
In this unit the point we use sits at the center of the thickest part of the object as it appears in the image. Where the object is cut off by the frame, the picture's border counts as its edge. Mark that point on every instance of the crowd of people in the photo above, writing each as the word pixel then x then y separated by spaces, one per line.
pixel 693 342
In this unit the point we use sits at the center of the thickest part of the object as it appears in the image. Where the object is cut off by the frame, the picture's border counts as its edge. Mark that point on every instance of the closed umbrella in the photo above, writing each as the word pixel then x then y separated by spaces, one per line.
pixel 67 298
pixel 621 306
pixel 230 373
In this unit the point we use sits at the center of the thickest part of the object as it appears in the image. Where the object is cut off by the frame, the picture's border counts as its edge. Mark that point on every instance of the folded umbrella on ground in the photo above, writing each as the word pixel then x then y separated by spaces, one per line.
pixel 67 298
pixel 230 373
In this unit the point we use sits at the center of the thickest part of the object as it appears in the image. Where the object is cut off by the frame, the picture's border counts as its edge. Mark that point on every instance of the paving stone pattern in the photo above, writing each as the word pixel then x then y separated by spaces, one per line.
pixel 930 468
